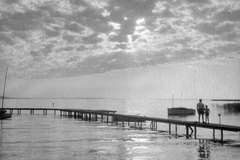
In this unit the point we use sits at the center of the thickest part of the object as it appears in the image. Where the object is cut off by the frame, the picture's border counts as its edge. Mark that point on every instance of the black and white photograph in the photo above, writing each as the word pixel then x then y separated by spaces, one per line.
pixel 119 79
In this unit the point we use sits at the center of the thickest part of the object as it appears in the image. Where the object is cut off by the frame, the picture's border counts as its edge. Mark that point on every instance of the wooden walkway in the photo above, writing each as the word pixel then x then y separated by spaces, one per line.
pixel 110 116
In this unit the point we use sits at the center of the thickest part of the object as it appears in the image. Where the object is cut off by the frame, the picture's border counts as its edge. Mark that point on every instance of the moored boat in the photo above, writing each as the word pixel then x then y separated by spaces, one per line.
pixel 181 111
pixel 3 112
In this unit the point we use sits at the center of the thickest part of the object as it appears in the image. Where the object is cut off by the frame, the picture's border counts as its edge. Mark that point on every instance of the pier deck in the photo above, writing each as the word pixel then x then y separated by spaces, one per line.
pixel 91 114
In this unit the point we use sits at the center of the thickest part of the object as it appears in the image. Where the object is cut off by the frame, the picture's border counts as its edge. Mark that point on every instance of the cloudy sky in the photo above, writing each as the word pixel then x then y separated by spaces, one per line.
pixel 121 48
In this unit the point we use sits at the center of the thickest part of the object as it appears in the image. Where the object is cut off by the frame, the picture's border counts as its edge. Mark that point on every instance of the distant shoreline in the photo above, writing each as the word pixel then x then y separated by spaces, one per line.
pixel 110 98
pixel 225 99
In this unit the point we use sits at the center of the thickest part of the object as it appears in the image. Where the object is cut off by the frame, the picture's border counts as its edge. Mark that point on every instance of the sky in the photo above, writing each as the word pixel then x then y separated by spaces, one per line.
pixel 120 48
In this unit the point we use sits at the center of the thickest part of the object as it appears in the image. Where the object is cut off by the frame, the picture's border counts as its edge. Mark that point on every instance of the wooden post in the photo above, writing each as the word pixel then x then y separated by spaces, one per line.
pixel 101 117
pixel 153 125
pixel 195 132
pixel 187 131
pixel 107 118
pixel 54 112
pixel 80 115
pixel 214 134
pixel 222 136
pixel 116 120
pixel 175 129
pixel 191 129
pixel 122 122
pixel 169 128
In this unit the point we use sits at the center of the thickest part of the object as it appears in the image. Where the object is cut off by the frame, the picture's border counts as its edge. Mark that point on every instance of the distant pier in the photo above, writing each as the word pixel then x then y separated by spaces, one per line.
pixel 110 116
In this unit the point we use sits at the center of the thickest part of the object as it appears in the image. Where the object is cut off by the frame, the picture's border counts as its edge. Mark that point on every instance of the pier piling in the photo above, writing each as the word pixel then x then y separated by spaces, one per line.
pixel 137 120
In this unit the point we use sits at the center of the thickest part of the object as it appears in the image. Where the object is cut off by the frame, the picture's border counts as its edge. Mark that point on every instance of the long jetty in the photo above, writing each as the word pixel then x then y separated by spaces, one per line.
pixel 110 116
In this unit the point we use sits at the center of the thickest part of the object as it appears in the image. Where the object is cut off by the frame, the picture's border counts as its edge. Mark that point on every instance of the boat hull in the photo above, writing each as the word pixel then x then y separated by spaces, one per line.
pixel 5 116
pixel 181 111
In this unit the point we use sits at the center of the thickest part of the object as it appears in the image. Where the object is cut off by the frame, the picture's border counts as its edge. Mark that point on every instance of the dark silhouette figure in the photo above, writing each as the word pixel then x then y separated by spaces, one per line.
pixel 207 112
pixel 200 110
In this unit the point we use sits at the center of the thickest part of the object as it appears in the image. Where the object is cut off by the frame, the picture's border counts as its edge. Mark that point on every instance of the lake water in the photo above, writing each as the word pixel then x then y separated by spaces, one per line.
pixel 52 136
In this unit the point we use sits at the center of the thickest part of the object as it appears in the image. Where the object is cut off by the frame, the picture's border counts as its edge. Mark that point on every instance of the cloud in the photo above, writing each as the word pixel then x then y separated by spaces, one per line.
pixel 26 21
pixel 78 3
pixel 80 37
pixel 228 15
pixel 198 2
pixel 51 33
pixel 126 14
pixel 74 27
pixel 6 39
pixel 214 28
pixel 229 47
pixel 69 38
pixel 92 39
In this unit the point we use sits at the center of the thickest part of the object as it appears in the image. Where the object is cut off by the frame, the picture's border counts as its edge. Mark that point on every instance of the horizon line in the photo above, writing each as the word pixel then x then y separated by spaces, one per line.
pixel 220 99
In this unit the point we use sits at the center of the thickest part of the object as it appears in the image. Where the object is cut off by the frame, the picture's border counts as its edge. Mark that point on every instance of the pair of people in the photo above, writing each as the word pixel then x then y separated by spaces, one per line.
pixel 203 110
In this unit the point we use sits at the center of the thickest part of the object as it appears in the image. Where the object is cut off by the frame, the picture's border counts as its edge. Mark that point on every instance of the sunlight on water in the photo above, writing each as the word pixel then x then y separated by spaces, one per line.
pixel 51 136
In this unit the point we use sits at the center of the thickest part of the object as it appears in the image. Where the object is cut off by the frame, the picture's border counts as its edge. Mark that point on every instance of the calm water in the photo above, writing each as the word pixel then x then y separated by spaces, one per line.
pixel 50 136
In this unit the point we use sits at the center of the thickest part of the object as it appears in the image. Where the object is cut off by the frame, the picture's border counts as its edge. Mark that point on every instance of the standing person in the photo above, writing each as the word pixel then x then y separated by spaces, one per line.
pixel 200 110
pixel 207 112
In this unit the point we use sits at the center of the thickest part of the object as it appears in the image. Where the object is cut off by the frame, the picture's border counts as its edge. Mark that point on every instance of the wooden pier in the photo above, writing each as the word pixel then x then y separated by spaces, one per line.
pixel 110 116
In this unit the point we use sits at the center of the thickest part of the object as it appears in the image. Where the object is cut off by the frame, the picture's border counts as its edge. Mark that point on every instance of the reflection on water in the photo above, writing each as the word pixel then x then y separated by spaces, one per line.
pixel 54 137
pixel 204 148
